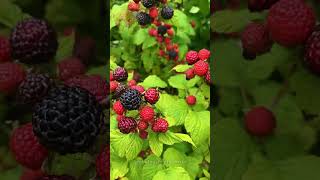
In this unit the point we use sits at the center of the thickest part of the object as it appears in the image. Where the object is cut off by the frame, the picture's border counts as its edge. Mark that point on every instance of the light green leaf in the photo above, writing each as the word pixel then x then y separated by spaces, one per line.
pixel 140 36
pixel 100 70
pixel 65 49
pixel 119 166
pixel 155 145
pixel 198 125
pixel 135 167
pixel 10 14
pixel 153 81
pixel 172 174
pixel 152 165
pixel 181 67
pixel 170 138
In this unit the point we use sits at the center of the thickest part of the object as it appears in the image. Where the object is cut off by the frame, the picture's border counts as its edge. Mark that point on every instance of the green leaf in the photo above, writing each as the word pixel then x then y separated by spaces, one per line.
pixel 153 81
pixel 173 107
pixel 11 14
pixel 297 168
pixel 100 70
pixel 232 151
pixel 120 142
pixel 170 138
pixel 225 21
pixel 152 164
pixel 181 67
pixel 140 36
pixel 194 10
pixel 198 125
pixel 149 42
pixel 135 167
pixel 172 174
pixel 147 60
pixel 179 81
pixel 119 166
pixel 65 49
pixel 72 164
pixel 155 145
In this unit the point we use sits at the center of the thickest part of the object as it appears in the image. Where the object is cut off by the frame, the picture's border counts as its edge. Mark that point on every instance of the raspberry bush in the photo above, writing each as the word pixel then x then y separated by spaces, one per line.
pixel 265 85
pixel 160 120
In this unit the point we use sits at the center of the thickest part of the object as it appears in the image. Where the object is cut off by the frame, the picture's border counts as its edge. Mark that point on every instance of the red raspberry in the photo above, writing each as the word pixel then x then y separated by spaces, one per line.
pixel 160 125
pixel 70 67
pixel 95 84
pixel 312 53
pixel 204 54
pixel 119 117
pixel 132 6
pixel 113 86
pixel 162 53
pixel 167 40
pixel 191 100
pixel 151 96
pixel 111 76
pixel 118 108
pixel 103 164
pixel 26 148
pixel 159 39
pixel 153 32
pixel 138 88
pixel 127 125
pixel 170 32
pixel 156 22
pixel 260 121
pixel 132 82
pixel 143 134
pixel 201 68
pixel 169 47
pixel 192 57
pixel 31 174
pixel 190 74
pixel 146 113
pixel 255 39
pixel 5 50
pixel 168 26
pixel 208 77
pixel 290 22
pixel 153 12
pixel 11 75
pixel 142 125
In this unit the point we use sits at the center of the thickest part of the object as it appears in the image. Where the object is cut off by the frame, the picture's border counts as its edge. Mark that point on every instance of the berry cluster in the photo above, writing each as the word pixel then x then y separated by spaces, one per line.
pixel 67 111
pixel 131 96
pixel 200 62
pixel 161 31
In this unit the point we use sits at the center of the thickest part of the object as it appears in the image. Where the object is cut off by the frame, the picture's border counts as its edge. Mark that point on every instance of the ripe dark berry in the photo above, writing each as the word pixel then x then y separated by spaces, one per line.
pixel 143 134
pixel 120 74
pixel 11 75
pixel 148 3
pixel 191 100
pixel 120 89
pixel 95 84
pixel 167 12
pixel 255 39
pixel 103 164
pixel 151 96
pixel 146 113
pixel 143 18
pixel 5 50
pixel 162 30
pixel 118 108
pixel 201 68
pixel 56 177
pixel 260 121
pixel 138 88
pixel 113 86
pixel 312 53
pixel 131 99
pixel 34 87
pixel 33 41
pixel 127 125
pixel 204 54
pixel 26 149
pixel 70 67
pixel 67 120
pixel 192 57
pixel 190 74
pixel 290 22
pixel 160 125
pixel 142 125
pixel 173 54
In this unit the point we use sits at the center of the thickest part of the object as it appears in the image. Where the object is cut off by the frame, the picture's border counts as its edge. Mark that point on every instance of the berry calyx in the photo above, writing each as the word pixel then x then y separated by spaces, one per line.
pixel 152 96
pixel 191 100
pixel 260 121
